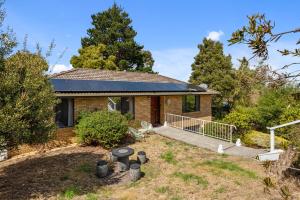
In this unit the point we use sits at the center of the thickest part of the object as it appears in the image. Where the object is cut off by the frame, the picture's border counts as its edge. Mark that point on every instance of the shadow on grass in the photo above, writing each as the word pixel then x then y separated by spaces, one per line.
pixel 52 176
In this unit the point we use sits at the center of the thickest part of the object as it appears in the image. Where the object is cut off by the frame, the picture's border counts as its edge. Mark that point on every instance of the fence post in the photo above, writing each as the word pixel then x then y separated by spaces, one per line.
pixel 182 122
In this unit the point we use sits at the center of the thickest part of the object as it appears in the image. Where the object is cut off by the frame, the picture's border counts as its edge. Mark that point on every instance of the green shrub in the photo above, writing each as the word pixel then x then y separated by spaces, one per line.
pixel 259 139
pixel 102 127
pixel 242 117
pixel 289 114
pixel 272 104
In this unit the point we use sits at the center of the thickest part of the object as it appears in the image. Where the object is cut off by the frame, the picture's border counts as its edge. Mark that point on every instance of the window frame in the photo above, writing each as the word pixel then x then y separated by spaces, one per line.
pixel 197 102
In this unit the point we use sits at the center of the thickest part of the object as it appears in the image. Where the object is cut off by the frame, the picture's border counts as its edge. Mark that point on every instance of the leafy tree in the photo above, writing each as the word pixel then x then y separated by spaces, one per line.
pixel 93 57
pixel 258 35
pixel 26 100
pixel 244 83
pixel 272 104
pixel 113 28
pixel 213 68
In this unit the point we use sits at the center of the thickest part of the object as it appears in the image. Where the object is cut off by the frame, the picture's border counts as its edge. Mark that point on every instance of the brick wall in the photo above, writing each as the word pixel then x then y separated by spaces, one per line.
pixel 168 104
pixel 173 104
pixel 89 104
pixel 142 108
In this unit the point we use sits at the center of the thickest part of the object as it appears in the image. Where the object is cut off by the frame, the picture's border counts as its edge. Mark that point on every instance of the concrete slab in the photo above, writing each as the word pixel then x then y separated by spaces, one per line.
pixel 207 142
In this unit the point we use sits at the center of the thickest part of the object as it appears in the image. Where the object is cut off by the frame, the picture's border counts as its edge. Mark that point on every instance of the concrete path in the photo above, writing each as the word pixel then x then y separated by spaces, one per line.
pixel 207 142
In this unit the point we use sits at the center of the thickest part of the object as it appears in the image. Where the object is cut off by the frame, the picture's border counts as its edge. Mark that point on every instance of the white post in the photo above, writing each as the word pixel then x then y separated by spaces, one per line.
pixel 272 140
pixel 220 149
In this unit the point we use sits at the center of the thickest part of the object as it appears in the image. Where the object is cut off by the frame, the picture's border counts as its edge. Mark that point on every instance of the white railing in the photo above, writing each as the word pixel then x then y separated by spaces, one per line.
pixel 204 127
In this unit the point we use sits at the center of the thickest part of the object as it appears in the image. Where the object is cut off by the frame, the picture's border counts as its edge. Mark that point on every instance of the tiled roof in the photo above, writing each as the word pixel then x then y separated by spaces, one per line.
pixel 96 74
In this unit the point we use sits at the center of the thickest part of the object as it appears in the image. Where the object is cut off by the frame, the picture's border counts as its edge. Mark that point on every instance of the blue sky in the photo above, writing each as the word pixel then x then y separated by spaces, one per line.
pixel 170 29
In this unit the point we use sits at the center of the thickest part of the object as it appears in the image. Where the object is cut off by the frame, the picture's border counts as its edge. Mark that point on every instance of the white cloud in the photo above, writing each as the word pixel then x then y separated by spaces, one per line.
pixel 174 63
pixel 215 35
pixel 59 68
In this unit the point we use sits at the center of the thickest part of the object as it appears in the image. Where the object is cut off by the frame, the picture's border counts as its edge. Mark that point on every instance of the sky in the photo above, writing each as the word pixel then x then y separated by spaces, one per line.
pixel 170 29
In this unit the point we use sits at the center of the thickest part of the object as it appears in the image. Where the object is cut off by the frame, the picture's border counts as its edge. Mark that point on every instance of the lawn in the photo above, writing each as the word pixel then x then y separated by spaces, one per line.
pixel 175 171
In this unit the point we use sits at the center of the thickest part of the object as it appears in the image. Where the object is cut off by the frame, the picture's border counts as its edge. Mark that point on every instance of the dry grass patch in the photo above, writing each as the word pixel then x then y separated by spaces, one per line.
pixel 174 171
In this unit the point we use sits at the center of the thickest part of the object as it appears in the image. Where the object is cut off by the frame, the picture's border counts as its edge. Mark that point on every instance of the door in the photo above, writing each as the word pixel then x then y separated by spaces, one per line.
pixel 155 110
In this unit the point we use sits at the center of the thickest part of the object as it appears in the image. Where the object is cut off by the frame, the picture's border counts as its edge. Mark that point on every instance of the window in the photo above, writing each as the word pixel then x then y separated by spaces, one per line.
pixel 190 103
pixel 123 104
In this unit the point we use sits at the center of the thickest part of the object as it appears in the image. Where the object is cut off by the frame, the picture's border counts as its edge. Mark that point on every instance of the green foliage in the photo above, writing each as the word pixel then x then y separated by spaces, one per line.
pixel 113 29
pixel 245 83
pixel 94 57
pixel 230 166
pixel 272 104
pixel 191 177
pixel 70 192
pixel 162 190
pixel 242 117
pixel 91 196
pixel 259 139
pixel 102 127
pixel 214 68
pixel 292 134
pixel 168 157
pixel 26 100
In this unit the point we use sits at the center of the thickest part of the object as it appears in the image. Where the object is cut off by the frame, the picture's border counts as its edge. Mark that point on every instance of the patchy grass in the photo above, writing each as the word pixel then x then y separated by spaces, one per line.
pixel 70 192
pixel 191 177
pixel 168 157
pixel 230 166
pixel 162 190
pixel 91 196
pixel 175 171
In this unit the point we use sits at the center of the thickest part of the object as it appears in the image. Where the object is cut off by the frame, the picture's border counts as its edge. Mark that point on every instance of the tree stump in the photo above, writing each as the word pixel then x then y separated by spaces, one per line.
pixel 141 157
pixel 102 169
pixel 135 172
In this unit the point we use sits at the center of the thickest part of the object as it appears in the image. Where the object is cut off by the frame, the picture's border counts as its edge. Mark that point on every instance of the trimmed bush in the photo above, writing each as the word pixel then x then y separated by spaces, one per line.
pixel 242 117
pixel 102 127
pixel 259 139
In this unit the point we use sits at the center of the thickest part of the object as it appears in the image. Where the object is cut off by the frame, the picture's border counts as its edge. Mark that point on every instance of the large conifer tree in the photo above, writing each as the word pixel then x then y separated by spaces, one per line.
pixel 113 29
pixel 213 68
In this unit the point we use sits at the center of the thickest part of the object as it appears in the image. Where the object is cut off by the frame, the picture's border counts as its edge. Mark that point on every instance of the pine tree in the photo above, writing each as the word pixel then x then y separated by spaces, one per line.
pixel 113 29
pixel 213 68
pixel 244 83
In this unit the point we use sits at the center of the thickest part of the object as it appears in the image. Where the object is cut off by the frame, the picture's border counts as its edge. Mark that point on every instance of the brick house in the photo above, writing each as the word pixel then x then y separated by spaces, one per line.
pixel 145 96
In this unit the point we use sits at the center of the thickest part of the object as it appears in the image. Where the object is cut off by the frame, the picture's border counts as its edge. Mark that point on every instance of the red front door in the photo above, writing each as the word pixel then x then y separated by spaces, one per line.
pixel 155 110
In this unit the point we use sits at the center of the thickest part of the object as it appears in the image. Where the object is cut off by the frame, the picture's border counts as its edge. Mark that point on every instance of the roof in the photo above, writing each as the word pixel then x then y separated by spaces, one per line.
pixel 104 82
pixel 97 74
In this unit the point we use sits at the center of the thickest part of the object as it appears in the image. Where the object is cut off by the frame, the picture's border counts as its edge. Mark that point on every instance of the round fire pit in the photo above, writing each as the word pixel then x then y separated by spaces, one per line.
pixel 123 154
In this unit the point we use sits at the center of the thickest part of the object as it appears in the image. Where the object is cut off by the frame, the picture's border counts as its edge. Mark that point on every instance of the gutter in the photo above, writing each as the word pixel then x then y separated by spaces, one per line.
pixel 111 94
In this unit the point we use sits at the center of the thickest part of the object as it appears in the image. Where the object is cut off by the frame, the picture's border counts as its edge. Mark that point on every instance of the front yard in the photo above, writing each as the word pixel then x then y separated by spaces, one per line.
pixel 174 171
